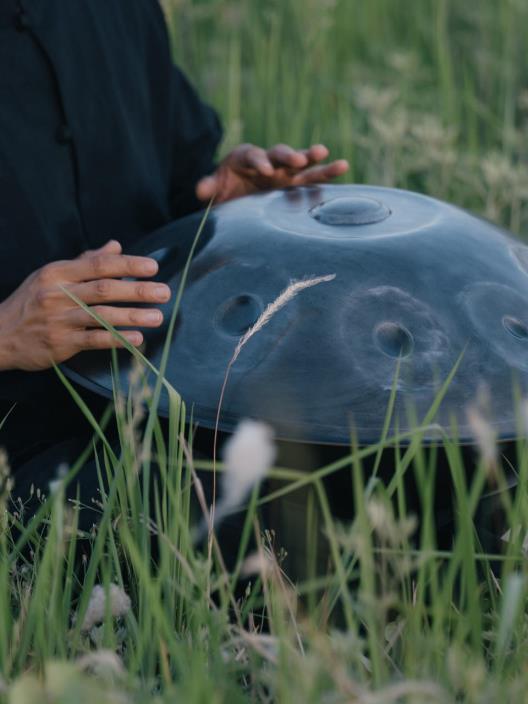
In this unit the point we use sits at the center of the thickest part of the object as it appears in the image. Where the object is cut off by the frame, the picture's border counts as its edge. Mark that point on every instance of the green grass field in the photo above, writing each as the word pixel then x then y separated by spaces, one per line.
pixel 429 95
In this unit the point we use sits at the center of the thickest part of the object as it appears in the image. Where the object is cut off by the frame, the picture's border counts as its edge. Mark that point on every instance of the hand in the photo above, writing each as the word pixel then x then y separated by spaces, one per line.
pixel 248 169
pixel 41 325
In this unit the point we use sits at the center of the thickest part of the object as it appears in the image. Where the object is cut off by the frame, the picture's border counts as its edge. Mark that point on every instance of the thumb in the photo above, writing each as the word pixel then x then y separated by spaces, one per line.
pixel 207 187
pixel 111 247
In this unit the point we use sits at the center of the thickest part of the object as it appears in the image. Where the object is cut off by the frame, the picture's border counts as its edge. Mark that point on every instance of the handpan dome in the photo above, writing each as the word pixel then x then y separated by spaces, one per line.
pixel 419 286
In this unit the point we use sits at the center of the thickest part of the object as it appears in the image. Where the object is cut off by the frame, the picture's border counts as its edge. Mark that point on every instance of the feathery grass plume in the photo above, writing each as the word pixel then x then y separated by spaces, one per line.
pixel 293 289
pixel 274 307
pixel 95 612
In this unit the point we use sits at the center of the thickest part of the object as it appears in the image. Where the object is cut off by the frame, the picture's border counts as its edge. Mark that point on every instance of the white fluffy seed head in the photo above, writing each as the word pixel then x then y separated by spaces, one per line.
pixel 248 455
pixel 55 485
pixel 484 435
pixel 259 563
pixel 95 613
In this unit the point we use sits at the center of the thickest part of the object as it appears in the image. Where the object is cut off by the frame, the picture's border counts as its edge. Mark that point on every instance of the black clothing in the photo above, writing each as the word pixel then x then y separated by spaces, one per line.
pixel 101 136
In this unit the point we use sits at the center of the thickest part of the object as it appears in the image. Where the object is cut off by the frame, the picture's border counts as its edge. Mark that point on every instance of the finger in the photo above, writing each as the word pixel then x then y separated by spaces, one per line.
pixel 316 153
pixel 256 158
pixel 115 291
pixel 103 339
pixel 284 155
pixel 207 187
pixel 111 247
pixel 101 265
pixel 321 174
pixel 117 317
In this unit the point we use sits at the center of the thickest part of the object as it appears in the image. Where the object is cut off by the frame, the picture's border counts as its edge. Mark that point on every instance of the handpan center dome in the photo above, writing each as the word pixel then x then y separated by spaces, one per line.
pixel 350 211
pixel 347 212
pixel 418 289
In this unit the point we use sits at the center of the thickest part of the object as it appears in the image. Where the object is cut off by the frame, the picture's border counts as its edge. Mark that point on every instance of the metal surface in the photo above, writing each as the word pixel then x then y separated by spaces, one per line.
pixel 417 282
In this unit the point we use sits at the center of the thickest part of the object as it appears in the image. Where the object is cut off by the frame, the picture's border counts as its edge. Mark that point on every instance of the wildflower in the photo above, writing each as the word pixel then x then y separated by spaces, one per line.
pixel 95 613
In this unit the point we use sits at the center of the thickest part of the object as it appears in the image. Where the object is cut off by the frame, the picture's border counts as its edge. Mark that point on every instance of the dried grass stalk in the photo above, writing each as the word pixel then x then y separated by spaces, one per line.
pixel 272 309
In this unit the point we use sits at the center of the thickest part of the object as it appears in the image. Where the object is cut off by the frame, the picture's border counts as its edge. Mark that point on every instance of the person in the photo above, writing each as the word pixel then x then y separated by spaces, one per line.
pixel 102 140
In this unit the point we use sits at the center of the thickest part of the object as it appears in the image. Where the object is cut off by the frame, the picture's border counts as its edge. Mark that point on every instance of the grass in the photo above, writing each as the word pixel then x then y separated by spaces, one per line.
pixel 424 95
pixel 429 95
pixel 390 618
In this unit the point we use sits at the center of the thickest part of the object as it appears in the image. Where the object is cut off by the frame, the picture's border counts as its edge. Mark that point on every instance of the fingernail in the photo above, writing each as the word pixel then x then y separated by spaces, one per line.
pixel 152 316
pixel 162 292
pixel 135 338
pixel 150 266
pixel 264 165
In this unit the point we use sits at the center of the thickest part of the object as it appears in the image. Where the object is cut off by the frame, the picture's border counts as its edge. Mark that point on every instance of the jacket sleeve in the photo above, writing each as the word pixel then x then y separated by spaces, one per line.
pixel 188 129
pixel 196 134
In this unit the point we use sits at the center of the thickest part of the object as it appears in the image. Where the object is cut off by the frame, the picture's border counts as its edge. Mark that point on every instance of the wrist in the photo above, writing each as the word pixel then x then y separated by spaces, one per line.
pixel 6 359
pixel 7 348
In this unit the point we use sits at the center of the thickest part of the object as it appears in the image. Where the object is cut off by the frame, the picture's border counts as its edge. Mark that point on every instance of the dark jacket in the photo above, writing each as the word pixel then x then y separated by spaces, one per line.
pixel 100 136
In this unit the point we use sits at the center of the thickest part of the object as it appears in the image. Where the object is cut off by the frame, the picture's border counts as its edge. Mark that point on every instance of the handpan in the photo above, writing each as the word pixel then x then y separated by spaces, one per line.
pixel 422 289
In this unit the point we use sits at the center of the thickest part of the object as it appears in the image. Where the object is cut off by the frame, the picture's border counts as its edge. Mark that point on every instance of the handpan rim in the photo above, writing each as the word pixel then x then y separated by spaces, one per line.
pixel 465 440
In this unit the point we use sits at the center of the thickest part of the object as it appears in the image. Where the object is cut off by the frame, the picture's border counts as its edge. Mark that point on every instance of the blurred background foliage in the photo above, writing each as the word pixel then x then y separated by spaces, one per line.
pixel 430 95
